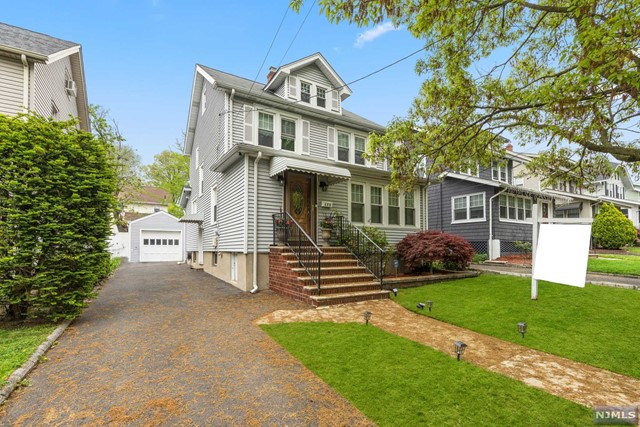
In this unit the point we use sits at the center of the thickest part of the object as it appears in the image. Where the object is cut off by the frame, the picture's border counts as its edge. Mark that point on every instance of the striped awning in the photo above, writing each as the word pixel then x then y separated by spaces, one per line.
pixel 333 173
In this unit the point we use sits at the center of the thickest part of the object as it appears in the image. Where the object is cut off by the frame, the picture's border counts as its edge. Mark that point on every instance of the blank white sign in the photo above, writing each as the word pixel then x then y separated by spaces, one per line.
pixel 562 253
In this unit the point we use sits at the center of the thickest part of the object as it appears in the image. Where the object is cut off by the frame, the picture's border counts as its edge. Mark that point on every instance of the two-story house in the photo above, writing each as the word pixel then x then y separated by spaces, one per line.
pixel 621 190
pixel 42 74
pixel 486 207
pixel 288 145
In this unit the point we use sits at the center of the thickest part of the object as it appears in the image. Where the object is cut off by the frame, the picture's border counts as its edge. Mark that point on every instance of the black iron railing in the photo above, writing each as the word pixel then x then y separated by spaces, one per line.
pixel 287 231
pixel 370 255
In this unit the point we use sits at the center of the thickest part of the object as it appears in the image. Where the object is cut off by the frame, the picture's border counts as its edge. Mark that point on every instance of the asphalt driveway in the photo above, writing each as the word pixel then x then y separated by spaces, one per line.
pixel 166 345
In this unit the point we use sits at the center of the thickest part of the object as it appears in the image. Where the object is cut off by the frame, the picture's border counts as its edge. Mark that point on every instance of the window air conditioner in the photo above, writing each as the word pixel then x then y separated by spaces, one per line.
pixel 71 88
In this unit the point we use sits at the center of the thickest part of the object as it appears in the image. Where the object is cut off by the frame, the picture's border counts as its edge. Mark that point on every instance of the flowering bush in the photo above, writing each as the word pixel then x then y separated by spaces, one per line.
pixel 281 222
pixel 327 222
pixel 421 250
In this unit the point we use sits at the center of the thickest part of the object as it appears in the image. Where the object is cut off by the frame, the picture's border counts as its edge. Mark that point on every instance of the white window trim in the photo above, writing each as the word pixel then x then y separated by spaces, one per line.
pixel 468 197
pixel 203 100
pixel 500 167
pixel 350 153
pixel 352 147
pixel 214 191
pixel 277 128
pixel 383 216
pixel 385 205
pixel 313 93
pixel 519 221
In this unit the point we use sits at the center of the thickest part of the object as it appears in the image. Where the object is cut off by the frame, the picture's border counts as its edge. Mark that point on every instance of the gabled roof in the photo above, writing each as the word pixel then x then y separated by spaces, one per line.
pixel 285 70
pixel 147 194
pixel 254 91
pixel 35 45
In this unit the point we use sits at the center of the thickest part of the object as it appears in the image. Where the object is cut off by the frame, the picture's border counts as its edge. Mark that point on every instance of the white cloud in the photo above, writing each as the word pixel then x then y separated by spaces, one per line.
pixel 374 33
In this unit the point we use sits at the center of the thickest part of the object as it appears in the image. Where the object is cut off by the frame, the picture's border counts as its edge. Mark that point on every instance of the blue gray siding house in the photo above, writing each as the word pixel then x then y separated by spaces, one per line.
pixel 285 145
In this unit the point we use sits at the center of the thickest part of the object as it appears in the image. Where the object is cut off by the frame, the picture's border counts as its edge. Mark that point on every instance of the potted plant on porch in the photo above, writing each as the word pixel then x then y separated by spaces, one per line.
pixel 282 227
pixel 327 228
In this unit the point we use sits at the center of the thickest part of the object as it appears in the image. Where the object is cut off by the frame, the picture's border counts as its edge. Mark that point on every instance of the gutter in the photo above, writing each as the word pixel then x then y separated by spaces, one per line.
pixel 25 83
pixel 255 222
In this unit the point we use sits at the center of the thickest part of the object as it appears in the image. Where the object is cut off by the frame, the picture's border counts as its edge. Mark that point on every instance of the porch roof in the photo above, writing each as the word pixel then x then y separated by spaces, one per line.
pixel 196 218
pixel 333 173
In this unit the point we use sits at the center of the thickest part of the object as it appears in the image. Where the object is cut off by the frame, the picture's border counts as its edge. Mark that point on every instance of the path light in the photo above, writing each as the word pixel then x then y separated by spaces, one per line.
pixel 430 305
pixel 420 305
pixel 522 328
pixel 367 317
pixel 395 292
pixel 459 348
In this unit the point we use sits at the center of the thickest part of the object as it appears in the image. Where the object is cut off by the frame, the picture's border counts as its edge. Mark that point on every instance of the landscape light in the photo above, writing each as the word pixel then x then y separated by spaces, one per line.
pixel 367 317
pixel 430 305
pixel 420 305
pixel 522 328
pixel 395 292
pixel 459 348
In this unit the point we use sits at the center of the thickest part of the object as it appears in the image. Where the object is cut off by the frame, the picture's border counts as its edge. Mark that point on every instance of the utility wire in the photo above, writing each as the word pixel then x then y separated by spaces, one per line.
pixel 270 46
pixel 297 32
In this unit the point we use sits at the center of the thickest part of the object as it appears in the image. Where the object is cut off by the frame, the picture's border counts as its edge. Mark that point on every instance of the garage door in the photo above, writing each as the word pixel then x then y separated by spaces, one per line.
pixel 160 246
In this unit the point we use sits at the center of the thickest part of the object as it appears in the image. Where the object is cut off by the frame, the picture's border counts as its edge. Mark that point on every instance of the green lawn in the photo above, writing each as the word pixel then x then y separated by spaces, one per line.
pixel 615 264
pixel 596 325
pixel 17 344
pixel 397 382
pixel 634 250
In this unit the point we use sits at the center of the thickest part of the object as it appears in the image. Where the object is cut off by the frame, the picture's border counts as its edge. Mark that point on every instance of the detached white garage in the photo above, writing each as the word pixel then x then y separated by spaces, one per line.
pixel 157 238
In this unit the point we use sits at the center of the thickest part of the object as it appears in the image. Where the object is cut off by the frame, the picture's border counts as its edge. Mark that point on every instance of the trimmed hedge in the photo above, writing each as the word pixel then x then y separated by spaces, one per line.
pixel 611 229
pixel 56 200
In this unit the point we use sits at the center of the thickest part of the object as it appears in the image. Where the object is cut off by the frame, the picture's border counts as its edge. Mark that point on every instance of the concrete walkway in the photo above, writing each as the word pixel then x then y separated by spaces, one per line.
pixel 562 377
pixel 166 345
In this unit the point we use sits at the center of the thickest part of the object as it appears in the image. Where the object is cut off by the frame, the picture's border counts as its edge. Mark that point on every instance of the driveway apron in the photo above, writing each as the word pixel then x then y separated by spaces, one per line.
pixel 166 345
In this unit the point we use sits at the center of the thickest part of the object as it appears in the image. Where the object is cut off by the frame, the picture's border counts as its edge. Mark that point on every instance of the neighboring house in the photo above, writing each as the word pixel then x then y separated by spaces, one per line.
pixel 287 145
pixel 42 74
pixel 618 189
pixel 485 207
pixel 147 233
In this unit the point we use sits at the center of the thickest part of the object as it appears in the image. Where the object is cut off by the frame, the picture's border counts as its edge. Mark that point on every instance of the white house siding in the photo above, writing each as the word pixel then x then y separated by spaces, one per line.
pixel 191 237
pixel 312 74
pixel 49 86
pixel 231 206
pixel 238 120
pixel 270 195
pixel 318 142
pixel 160 221
pixel 11 86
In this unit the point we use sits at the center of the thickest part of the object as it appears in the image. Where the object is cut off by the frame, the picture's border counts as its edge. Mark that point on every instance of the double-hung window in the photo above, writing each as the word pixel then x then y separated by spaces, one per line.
pixel 394 208
pixel 321 97
pixel 499 172
pixel 357 203
pixel 265 129
pixel 409 209
pixel 359 147
pixel 343 146
pixel 288 135
pixel 305 92
pixel 376 205
pixel 468 208
pixel 516 208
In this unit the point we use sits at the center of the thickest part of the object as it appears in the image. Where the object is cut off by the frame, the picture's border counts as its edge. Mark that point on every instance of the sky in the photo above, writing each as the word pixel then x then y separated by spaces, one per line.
pixel 140 55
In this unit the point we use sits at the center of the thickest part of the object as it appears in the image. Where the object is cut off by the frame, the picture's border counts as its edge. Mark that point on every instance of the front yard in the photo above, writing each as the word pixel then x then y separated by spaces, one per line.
pixel 397 382
pixel 18 342
pixel 615 264
pixel 596 325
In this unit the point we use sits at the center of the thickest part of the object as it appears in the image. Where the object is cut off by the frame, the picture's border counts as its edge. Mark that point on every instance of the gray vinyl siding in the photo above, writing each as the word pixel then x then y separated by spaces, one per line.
pixel 312 74
pixel 318 143
pixel 152 222
pixel 49 86
pixel 238 120
pixel 280 91
pixel 440 215
pixel 231 205
pixel 11 86
pixel 270 196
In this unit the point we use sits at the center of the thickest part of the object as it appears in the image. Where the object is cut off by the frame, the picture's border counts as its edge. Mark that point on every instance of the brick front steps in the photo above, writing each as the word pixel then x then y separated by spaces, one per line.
pixel 343 280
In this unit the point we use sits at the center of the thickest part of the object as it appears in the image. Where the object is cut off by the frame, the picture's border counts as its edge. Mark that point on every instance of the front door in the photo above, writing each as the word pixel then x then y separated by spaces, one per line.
pixel 299 200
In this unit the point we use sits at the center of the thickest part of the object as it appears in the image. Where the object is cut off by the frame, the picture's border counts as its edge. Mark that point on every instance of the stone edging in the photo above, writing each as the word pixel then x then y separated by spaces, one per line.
pixel 19 374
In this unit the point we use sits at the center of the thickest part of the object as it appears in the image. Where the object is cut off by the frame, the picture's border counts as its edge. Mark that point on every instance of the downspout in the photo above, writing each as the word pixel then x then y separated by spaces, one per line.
pixel 491 221
pixel 255 222
pixel 230 120
pixel 25 83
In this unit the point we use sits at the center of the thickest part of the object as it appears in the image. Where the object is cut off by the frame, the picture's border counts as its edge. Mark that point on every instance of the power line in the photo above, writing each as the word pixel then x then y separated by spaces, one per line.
pixel 297 32
pixel 270 46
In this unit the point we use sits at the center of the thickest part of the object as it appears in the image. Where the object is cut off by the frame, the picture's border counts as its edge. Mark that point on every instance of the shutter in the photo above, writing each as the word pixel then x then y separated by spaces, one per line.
pixel 335 100
pixel 306 136
pixel 293 87
pixel 248 124
pixel 331 143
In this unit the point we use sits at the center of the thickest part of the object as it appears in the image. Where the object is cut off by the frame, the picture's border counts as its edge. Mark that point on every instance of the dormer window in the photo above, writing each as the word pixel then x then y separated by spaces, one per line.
pixel 321 97
pixel 305 92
